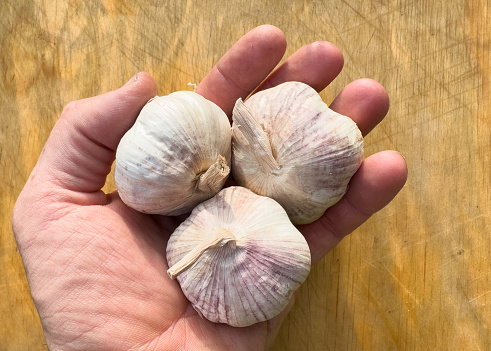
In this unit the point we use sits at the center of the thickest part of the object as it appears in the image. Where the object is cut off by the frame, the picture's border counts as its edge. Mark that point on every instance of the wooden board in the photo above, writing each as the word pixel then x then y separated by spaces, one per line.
pixel 417 275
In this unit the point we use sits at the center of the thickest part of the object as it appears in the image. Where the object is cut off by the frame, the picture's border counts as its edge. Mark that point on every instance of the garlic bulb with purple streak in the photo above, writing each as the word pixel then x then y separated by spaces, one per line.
pixel 288 145
pixel 238 258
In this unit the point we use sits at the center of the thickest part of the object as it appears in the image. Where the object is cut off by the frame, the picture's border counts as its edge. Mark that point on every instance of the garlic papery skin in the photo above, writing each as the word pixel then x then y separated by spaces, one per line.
pixel 288 145
pixel 176 155
pixel 238 258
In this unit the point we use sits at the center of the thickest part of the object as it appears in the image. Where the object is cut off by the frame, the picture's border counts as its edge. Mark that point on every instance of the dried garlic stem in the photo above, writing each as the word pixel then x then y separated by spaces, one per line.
pixel 212 179
pixel 219 238
pixel 255 135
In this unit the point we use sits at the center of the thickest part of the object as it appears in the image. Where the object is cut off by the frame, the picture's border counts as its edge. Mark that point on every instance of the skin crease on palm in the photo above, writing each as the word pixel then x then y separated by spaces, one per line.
pixel 97 269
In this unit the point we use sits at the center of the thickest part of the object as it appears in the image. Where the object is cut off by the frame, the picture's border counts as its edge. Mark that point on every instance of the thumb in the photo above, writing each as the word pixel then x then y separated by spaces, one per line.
pixel 81 148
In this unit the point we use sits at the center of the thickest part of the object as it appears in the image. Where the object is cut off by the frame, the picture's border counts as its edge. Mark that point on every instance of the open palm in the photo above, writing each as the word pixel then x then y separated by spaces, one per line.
pixel 97 269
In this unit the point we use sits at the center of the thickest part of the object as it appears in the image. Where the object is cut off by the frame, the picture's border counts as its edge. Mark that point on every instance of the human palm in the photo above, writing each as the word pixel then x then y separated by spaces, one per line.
pixel 97 269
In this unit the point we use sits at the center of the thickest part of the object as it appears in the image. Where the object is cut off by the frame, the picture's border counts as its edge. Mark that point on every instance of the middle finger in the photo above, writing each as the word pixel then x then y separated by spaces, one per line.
pixel 315 64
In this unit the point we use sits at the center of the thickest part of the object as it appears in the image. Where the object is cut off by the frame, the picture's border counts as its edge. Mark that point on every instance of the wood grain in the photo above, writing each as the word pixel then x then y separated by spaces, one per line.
pixel 417 275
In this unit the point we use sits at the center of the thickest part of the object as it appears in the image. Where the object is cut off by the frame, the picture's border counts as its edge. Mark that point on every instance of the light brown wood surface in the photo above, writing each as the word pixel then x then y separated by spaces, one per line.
pixel 417 275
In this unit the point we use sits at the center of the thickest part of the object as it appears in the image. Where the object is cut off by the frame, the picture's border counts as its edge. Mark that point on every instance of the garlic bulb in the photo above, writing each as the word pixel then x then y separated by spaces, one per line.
pixel 288 145
pixel 176 155
pixel 238 258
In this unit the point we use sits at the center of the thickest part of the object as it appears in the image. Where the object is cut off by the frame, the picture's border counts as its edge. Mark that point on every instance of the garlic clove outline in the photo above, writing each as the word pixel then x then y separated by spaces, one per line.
pixel 238 258
pixel 176 155
pixel 288 145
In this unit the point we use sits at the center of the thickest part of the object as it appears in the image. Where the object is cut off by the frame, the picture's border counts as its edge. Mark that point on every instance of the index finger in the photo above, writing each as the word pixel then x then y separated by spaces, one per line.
pixel 243 67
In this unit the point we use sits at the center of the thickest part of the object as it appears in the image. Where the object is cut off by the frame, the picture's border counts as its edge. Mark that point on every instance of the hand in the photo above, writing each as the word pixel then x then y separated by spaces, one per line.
pixel 97 269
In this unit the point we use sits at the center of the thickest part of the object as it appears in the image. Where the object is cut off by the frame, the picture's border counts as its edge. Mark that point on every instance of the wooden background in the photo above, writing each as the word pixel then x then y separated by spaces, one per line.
pixel 417 276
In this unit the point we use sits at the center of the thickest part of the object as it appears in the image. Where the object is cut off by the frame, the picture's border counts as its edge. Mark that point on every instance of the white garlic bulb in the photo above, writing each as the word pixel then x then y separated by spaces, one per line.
pixel 288 145
pixel 238 258
pixel 176 155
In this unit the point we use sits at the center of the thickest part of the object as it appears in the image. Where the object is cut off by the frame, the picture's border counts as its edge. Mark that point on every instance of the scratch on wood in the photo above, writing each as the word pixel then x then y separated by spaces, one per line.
pixel 411 295
pixel 478 297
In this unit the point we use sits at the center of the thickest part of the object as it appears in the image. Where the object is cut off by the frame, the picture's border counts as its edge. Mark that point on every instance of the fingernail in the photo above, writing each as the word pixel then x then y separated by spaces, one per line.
pixel 132 80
